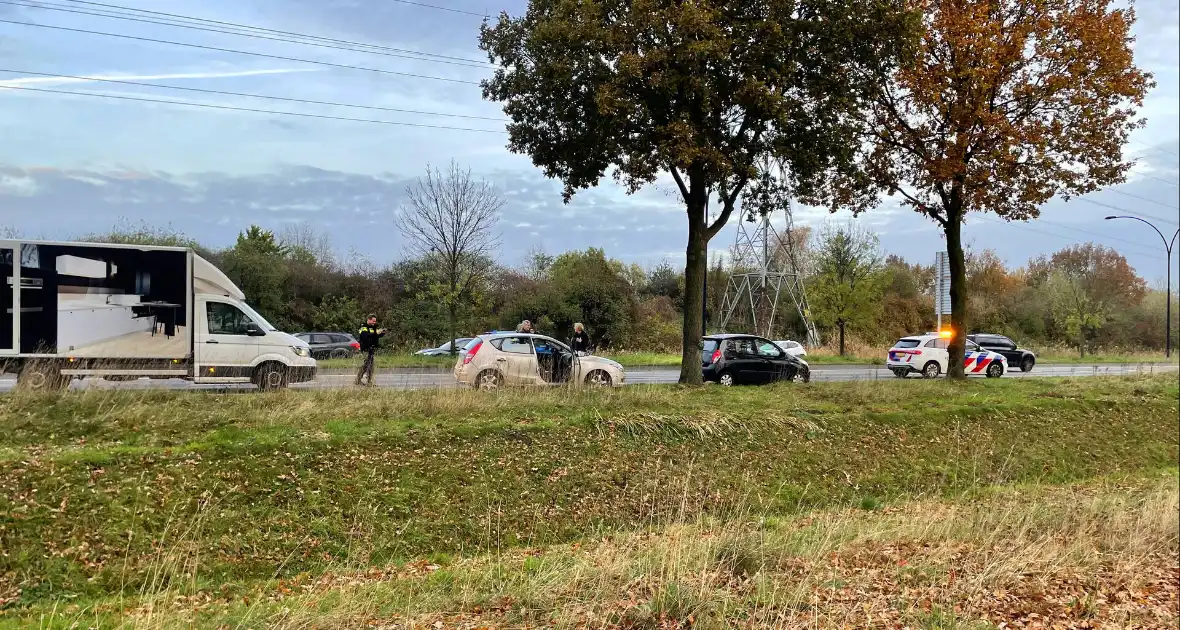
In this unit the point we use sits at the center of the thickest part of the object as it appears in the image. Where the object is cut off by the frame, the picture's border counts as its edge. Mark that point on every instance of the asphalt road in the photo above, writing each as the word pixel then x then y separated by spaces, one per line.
pixel 443 380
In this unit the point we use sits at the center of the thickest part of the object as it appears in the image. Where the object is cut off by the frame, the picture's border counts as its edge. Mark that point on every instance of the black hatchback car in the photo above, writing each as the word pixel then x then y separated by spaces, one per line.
pixel 749 360
pixel 330 345
pixel 1017 357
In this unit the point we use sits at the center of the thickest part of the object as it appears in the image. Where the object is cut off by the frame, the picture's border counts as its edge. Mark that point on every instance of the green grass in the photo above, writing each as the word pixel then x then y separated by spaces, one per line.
pixel 103 493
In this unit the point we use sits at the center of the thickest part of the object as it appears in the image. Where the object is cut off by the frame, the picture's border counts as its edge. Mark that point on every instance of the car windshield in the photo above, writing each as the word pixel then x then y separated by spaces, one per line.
pixel 708 347
pixel 258 319
pixel 541 342
pixel 907 343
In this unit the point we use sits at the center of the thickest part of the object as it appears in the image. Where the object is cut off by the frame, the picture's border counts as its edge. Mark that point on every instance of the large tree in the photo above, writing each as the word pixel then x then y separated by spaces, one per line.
pixel 846 289
pixel 1007 104
pixel 257 264
pixel 702 90
pixel 1085 285
pixel 450 220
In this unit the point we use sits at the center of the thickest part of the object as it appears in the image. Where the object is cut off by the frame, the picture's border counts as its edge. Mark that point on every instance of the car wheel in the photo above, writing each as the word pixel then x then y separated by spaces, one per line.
pixel 271 376
pixel 1027 364
pixel 801 376
pixel 598 378
pixel 931 370
pixel 489 381
pixel 995 370
pixel 42 377
pixel 900 372
pixel 339 353
pixel 726 380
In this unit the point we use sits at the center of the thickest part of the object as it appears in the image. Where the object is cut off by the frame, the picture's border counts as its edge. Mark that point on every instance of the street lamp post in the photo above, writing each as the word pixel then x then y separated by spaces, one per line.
pixel 1168 291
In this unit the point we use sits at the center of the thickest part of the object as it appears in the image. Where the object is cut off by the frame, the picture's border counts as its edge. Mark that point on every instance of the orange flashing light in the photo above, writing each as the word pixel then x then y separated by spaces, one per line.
pixel 946 334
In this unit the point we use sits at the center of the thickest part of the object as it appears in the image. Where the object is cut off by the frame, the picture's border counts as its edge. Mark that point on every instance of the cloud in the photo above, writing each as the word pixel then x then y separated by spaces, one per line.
pixel 53 81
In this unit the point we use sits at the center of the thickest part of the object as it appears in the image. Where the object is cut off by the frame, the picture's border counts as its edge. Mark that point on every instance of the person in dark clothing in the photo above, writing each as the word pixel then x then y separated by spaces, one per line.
pixel 369 339
pixel 581 341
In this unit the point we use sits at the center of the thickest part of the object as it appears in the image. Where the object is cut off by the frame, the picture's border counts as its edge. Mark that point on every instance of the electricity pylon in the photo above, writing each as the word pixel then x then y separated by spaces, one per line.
pixel 764 266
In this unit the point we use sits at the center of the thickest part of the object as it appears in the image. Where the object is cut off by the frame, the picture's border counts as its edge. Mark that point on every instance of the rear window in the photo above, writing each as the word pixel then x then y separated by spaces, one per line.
pixel 907 343
pixel 708 347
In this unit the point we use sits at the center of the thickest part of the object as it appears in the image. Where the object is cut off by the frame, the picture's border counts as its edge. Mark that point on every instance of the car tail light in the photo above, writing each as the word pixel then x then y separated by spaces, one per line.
pixel 716 356
pixel 467 358
pixel 355 345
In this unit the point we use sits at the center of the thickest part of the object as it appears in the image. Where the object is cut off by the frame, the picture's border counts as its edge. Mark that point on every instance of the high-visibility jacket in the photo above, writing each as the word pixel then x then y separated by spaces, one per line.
pixel 369 337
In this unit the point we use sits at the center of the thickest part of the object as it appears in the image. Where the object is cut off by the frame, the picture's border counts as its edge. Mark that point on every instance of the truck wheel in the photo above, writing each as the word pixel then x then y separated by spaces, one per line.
pixel 931 370
pixel 1027 364
pixel 271 376
pixel 40 376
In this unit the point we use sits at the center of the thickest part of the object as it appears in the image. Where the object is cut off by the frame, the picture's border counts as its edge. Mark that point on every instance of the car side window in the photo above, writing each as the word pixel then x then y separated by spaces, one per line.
pixel 1007 343
pixel 321 340
pixel 743 347
pixel 971 345
pixel 226 319
pixel 768 350
pixel 514 345
pixel 937 343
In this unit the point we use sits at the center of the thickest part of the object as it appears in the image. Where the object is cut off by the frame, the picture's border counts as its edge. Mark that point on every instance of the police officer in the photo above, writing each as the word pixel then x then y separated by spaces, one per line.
pixel 369 338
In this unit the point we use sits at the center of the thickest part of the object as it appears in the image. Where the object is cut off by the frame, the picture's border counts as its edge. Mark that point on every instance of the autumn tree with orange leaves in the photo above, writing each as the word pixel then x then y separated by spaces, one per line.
pixel 1005 105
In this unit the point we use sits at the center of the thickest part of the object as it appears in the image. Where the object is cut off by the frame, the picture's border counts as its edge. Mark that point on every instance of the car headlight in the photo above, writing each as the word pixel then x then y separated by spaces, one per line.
pixel 300 351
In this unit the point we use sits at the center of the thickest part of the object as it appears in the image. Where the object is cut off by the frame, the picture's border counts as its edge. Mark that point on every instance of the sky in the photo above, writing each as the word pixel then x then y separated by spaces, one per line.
pixel 71 164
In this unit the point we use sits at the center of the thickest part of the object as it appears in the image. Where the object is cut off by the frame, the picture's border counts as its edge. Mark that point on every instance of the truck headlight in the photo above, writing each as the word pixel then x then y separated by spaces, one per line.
pixel 300 351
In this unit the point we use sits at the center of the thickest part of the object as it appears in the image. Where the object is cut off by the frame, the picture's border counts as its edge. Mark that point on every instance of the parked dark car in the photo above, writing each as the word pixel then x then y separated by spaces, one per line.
pixel 749 360
pixel 1017 357
pixel 330 345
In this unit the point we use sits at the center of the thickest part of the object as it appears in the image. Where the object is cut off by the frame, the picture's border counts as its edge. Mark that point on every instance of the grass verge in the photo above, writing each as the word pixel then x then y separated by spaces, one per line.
pixel 1101 554
pixel 103 493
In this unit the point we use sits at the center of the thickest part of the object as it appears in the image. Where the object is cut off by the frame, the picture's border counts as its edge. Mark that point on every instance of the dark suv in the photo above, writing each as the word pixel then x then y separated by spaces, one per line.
pixel 330 345
pixel 1017 357
pixel 746 359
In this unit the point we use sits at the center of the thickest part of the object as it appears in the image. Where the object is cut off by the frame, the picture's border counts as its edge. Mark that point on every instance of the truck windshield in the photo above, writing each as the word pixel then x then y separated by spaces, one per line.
pixel 258 319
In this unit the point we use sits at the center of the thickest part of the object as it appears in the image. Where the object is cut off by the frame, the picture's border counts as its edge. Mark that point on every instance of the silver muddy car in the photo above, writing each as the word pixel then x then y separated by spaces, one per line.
pixel 497 360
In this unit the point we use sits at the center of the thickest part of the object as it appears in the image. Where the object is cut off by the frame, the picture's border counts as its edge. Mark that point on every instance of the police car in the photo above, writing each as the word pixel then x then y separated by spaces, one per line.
pixel 927 355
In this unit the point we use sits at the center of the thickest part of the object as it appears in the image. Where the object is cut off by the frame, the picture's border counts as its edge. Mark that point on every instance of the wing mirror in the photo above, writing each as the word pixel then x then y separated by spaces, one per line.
pixel 253 330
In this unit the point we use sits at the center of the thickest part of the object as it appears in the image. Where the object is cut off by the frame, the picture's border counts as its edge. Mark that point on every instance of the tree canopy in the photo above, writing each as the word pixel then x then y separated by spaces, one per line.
pixel 1006 105
pixel 703 90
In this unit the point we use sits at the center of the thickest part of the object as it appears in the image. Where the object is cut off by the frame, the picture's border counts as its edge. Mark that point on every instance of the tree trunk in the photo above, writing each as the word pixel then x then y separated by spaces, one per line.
pixel 695 268
pixel 840 324
pixel 954 250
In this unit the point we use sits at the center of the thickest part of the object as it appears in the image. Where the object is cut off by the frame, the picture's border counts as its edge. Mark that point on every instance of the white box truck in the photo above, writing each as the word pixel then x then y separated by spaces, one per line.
pixel 122 312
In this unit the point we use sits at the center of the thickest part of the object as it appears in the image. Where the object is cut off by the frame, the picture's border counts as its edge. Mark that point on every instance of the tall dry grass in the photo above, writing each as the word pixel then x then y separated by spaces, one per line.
pixel 1098 554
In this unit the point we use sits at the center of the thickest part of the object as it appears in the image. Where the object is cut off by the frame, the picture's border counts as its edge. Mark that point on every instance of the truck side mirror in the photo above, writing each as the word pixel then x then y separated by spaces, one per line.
pixel 253 330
